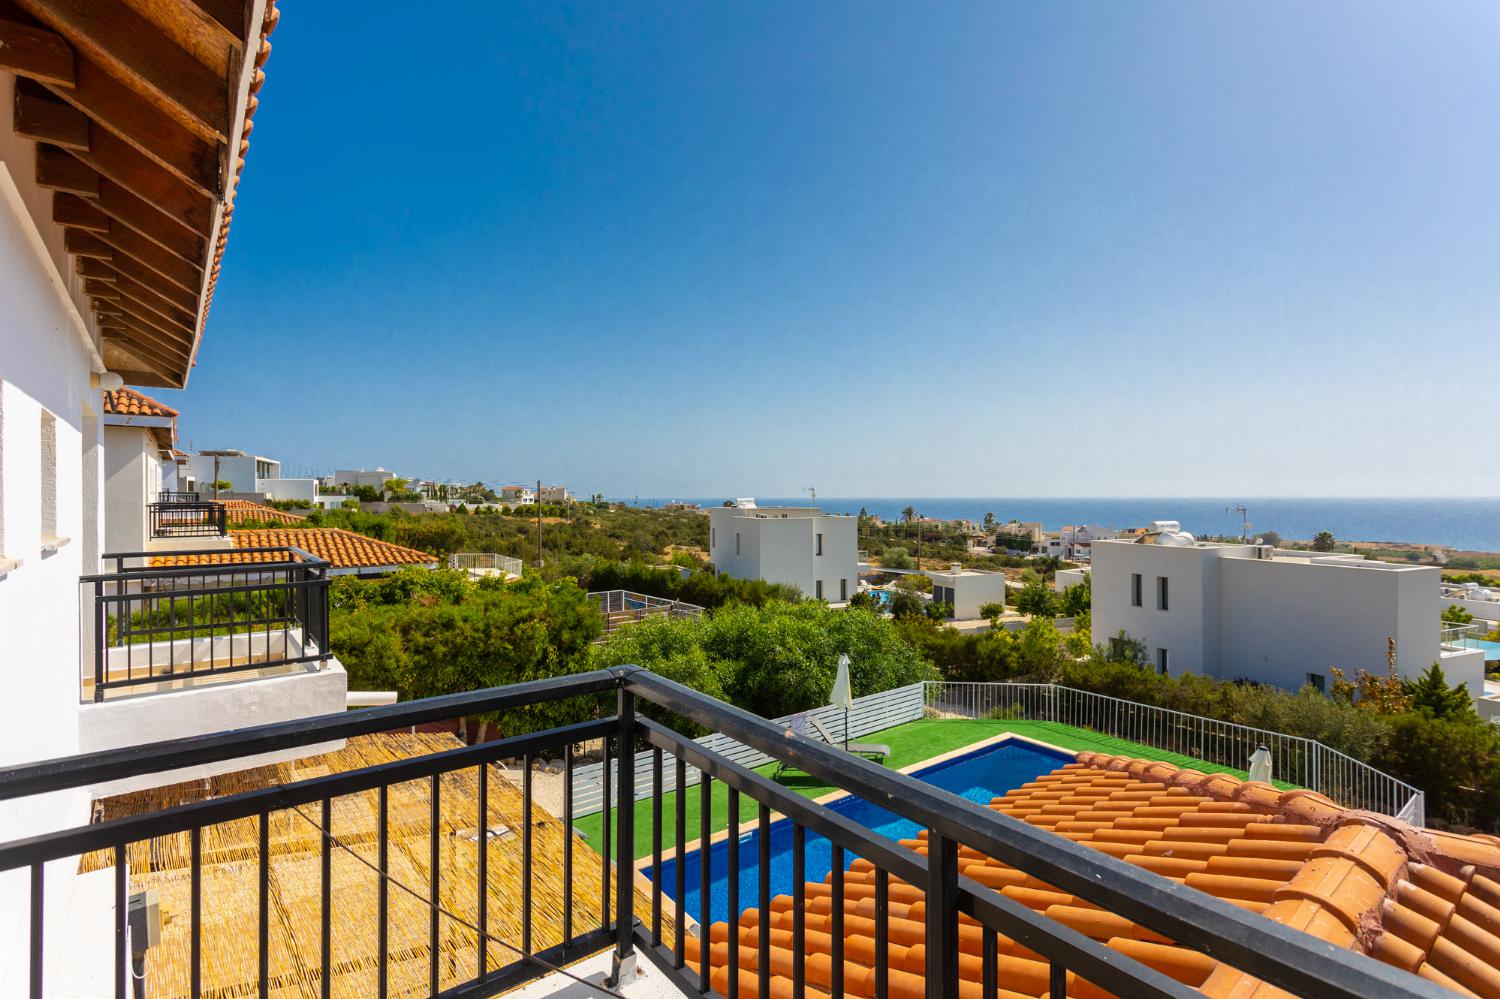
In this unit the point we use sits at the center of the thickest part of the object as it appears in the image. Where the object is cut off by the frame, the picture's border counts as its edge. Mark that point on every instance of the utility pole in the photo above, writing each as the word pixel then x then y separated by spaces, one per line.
pixel 538 523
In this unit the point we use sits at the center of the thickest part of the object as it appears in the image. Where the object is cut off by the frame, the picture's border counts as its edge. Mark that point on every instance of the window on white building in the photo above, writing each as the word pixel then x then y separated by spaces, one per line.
pixel 820 544
pixel 818 586
pixel 1161 661
pixel 713 537
pixel 1135 589
pixel 843 590
pixel 736 542
pixel 1161 592
pixel 1317 682
pixel 49 475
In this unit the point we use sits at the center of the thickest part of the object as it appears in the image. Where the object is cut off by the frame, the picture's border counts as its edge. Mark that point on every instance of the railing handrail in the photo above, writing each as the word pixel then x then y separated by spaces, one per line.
pixel 1275 953
pixel 1412 795
pixel 303 560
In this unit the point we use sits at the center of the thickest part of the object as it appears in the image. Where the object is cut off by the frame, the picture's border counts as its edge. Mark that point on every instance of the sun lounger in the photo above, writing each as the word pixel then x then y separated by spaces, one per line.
pixel 872 749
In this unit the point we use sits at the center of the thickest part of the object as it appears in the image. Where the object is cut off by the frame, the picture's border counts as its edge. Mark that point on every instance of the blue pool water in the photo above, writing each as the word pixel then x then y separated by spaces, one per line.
pixel 1491 649
pixel 978 776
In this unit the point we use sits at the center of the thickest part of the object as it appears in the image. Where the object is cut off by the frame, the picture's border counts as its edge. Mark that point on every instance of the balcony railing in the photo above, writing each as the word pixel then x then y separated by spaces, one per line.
pixel 1294 759
pixel 485 562
pixel 622 607
pixel 148 623
pixel 452 950
pixel 174 496
pixel 187 519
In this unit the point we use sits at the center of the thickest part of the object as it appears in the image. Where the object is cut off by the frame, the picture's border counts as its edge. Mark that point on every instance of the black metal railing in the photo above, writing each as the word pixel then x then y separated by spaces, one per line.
pixel 1290 959
pixel 174 496
pixel 187 519
pixel 145 622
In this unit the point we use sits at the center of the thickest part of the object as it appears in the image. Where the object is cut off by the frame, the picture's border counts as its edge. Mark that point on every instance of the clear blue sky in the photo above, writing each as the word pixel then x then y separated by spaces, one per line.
pixel 880 248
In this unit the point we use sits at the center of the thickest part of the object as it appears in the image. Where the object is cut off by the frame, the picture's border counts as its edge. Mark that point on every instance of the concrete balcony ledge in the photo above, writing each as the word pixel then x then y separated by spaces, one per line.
pixel 187 708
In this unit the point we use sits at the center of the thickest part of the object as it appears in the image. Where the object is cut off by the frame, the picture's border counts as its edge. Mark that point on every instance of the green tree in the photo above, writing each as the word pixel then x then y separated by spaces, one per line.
pixel 1037 599
pixel 1454 614
pixel 1431 695
pixel 989 523
pixel 895 557
pixel 1322 542
pixel 1078 598
pixel 992 613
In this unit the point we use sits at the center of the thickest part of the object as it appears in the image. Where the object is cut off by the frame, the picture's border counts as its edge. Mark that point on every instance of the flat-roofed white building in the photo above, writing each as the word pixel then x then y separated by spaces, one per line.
pixel 967 590
pixel 1253 612
pixel 816 552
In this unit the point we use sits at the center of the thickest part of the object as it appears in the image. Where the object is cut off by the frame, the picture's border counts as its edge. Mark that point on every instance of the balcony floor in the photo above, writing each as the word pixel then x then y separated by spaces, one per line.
pixel 647 982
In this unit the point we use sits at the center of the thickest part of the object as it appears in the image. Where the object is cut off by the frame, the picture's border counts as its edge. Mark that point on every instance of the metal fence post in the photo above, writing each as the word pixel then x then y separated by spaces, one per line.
pixel 623 963
pixel 942 917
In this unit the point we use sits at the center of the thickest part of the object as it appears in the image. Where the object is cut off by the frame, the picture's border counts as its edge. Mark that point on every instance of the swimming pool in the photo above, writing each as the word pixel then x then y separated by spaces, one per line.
pixel 978 776
pixel 1491 649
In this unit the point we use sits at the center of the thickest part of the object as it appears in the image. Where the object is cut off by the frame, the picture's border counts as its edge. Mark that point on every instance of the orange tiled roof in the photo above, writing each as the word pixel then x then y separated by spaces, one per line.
pixel 129 402
pixel 342 549
pixel 1427 902
pixel 238 509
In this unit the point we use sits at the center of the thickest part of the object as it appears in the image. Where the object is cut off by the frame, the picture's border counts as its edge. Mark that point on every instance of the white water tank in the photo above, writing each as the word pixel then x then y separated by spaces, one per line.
pixel 1176 539
pixel 1165 527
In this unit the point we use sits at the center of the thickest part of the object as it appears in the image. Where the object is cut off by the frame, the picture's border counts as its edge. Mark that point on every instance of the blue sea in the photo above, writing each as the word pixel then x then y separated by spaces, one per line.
pixel 1468 524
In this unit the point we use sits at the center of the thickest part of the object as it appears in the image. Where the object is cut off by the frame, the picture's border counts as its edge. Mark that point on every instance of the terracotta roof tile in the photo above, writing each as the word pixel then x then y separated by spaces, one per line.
pixel 129 402
pixel 1428 903
pixel 237 509
pixel 340 548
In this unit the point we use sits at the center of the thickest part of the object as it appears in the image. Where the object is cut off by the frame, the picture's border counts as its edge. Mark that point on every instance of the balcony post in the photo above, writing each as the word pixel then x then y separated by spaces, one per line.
pixel 624 957
pixel 942 916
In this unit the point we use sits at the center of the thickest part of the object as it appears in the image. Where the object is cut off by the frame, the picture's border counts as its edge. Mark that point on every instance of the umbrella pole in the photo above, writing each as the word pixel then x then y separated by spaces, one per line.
pixel 846 730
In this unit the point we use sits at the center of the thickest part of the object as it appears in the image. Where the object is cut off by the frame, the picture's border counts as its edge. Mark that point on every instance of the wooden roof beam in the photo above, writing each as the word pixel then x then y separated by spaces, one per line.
pixel 100 289
pixel 129 269
pixel 117 160
pixel 136 51
pixel 41 55
pixel 58 170
pixel 119 204
pixel 229 15
pixel 147 299
pixel 146 379
pixel 36 52
pixel 131 244
pixel 41 117
pixel 142 347
pixel 166 338
pixel 70 209
pixel 146 312
pixel 86 244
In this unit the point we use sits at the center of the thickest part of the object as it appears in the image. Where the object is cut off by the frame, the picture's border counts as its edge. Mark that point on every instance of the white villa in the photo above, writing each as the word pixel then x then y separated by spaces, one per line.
pixel 816 552
pixel 1285 618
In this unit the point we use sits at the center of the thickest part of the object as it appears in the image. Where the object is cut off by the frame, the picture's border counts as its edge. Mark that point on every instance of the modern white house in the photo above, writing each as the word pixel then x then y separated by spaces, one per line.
pixel 967 590
pixel 816 552
pixel 1075 542
pixel 1244 611
pixel 376 477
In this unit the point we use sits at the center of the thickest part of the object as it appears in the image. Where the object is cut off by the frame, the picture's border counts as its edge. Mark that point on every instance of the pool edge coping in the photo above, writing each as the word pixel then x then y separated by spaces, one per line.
pixel 670 853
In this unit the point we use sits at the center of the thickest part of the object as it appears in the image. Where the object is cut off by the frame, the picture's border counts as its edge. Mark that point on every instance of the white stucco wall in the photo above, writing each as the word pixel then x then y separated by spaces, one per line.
pixel 199 710
pixel 783 549
pixel 45 365
pixel 1273 620
pixel 971 591
pixel 288 489
pixel 132 478
pixel 1064 578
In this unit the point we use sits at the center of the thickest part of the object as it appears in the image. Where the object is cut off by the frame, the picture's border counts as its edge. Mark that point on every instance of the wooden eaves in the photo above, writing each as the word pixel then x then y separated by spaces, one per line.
pixel 141 111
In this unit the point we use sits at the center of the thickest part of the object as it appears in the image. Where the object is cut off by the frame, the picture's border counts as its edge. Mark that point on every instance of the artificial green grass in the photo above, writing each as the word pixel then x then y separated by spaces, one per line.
pixel 910 743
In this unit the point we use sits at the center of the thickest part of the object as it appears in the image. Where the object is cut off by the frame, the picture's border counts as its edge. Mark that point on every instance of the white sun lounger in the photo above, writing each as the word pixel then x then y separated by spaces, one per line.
pixel 871 749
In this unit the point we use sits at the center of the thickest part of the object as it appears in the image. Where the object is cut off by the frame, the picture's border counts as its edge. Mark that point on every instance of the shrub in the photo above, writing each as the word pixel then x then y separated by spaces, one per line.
pixel 772 660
